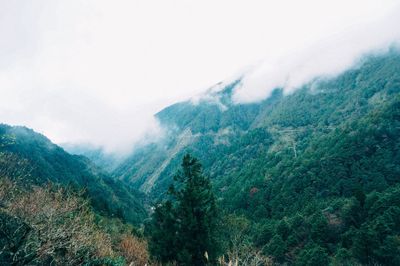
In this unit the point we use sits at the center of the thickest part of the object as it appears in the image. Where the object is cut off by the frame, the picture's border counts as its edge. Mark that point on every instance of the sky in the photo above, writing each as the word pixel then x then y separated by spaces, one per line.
pixel 95 71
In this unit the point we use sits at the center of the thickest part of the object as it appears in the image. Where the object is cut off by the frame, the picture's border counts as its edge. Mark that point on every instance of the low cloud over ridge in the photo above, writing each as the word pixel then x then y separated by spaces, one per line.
pixel 96 71
pixel 326 59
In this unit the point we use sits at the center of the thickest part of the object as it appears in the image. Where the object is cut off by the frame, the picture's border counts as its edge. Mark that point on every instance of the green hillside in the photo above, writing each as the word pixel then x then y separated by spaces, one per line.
pixel 315 173
pixel 32 159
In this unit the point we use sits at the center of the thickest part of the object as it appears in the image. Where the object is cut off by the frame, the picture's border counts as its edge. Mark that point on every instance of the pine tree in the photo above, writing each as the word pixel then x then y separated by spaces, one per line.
pixel 163 230
pixel 186 223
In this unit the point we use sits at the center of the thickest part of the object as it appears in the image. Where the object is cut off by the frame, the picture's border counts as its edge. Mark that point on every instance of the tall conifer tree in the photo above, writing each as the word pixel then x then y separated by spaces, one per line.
pixel 192 208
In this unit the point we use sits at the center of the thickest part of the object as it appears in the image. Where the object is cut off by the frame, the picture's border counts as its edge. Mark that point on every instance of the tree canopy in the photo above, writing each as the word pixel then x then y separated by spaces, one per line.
pixel 184 227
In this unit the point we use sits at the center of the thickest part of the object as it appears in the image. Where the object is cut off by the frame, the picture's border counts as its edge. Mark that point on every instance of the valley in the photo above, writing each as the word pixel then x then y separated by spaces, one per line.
pixel 310 177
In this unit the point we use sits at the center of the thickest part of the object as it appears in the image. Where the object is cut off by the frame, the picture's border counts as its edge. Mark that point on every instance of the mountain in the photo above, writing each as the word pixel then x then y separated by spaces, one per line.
pixel 218 130
pixel 31 158
pixel 315 172
pixel 105 160
pixel 306 178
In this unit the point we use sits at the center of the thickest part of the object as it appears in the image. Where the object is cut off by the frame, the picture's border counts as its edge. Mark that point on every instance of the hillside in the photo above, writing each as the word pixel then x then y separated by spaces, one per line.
pixel 307 178
pixel 106 161
pixel 316 172
pixel 219 128
pixel 32 159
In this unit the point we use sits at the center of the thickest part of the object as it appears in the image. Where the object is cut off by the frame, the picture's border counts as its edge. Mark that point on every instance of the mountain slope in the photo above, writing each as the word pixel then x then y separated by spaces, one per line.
pixel 102 159
pixel 32 158
pixel 219 128
pixel 315 173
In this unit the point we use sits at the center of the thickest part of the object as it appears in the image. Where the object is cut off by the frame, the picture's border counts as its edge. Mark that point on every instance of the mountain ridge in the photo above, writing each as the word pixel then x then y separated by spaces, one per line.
pixel 46 162
pixel 277 114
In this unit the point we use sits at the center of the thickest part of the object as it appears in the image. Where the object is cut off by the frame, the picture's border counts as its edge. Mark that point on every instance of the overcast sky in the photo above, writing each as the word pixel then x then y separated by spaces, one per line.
pixel 96 71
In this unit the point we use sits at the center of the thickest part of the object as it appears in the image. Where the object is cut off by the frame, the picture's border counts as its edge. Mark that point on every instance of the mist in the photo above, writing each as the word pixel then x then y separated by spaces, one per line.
pixel 322 60
pixel 96 71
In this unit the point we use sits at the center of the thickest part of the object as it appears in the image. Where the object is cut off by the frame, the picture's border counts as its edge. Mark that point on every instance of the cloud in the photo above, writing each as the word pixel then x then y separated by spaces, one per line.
pixel 324 59
pixel 97 70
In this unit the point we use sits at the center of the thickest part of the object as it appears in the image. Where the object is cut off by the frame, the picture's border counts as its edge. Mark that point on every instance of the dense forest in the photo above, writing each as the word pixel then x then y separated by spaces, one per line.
pixel 313 175
pixel 306 178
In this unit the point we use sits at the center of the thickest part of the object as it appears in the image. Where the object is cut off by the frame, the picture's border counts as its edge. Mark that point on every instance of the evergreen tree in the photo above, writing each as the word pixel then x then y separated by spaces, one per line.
pixel 313 255
pixel 163 233
pixel 277 248
pixel 184 227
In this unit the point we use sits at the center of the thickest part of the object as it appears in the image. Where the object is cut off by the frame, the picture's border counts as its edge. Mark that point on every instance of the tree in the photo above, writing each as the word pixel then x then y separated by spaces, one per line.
pixel 163 233
pixel 313 255
pixel 277 248
pixel 184 227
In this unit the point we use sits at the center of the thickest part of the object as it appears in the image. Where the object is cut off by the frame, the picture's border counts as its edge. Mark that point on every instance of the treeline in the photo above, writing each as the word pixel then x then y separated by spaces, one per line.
pixel 189 228
pixel 53 225
pixel 335 203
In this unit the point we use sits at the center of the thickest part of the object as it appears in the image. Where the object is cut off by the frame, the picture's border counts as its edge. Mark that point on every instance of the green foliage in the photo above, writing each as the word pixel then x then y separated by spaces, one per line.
pixel 313 255
pixel 33 159
pixel 277 248
pixel 163 233
pixel 184 227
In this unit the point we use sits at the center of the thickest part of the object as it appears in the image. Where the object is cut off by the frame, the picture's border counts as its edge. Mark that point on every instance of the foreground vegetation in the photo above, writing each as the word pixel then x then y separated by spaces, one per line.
pixel 53 226
pixel 45 162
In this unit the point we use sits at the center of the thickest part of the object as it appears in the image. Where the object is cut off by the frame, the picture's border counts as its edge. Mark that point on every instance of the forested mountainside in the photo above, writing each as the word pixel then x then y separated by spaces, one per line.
pixel 307 178
pixel 217 130
pixel 314 174
pixel 31 159
pixel 106 161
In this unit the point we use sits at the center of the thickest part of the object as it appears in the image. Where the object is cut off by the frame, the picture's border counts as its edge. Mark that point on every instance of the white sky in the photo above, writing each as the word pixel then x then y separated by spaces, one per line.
pixel 96 71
